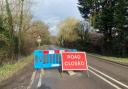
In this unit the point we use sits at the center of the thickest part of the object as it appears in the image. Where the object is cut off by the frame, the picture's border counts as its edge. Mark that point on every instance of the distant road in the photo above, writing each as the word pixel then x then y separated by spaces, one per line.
pixel 101 75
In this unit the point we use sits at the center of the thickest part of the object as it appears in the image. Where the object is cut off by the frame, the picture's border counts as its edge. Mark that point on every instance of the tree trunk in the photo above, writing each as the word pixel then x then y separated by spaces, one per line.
pixel 20 28
pixel 11 31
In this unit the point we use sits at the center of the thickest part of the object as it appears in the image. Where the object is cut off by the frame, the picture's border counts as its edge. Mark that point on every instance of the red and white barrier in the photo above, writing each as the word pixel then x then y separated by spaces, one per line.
pixel 54 51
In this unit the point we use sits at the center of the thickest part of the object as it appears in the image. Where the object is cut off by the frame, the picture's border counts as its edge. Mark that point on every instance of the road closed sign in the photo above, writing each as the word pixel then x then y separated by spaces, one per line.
pixel 74 61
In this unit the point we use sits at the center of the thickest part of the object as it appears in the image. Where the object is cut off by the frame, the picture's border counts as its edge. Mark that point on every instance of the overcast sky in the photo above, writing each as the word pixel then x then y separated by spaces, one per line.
pixel 54 11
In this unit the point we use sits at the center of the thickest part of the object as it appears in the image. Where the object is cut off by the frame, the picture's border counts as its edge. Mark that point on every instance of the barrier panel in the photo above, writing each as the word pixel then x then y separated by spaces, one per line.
pixel 48 58
pixel 74 61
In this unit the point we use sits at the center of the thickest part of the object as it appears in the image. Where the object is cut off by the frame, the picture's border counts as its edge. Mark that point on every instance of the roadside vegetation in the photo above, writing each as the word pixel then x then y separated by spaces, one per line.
pixel 110 17
pixel 104 29
pixel 8 70
pixel 110 58
pixel 18 36
pixel 18 31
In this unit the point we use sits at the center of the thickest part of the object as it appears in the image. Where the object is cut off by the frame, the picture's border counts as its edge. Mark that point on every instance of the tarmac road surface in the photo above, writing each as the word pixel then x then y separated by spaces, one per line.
pixel 101 75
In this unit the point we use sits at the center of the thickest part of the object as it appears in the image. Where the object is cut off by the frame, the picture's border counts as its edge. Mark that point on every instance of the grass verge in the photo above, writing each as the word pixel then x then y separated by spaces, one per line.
pixel 8 70
pixel 114 59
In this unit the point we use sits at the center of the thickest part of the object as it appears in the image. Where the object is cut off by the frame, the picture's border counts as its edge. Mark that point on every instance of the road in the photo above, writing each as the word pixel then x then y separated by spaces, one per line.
pixel 101 75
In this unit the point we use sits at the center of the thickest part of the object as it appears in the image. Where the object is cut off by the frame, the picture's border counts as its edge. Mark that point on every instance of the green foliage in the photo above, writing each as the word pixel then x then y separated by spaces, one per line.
pixel 106 21
pixel 72 34
pixel 87 7
pixel 82 31
pixel 29 41
pixel 8 70
pixel 67 32
pixel 121 25
pixel 4 40
pixel 111 18
pixel 18 32
pixel 111 58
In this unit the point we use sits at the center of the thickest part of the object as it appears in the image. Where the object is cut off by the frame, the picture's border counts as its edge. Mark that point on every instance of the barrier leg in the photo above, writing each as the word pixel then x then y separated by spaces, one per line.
pixel 87 73
pixel 60 71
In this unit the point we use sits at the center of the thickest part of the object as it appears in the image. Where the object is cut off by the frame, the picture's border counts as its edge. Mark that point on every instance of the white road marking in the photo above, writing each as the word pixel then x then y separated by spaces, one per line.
pixel 32 80
pixel 120 83
pixel 105 80
pixel 39 82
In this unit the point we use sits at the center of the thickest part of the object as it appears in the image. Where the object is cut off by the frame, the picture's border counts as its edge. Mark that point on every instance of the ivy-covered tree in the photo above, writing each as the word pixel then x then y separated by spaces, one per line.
pixel 121 24
pixel 89 9
pixel 111 18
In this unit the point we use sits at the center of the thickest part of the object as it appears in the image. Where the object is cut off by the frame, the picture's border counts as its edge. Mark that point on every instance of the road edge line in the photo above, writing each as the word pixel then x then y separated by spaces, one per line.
pixel 104 79
pixel 120 83
pixel 39 82
pixel 32 80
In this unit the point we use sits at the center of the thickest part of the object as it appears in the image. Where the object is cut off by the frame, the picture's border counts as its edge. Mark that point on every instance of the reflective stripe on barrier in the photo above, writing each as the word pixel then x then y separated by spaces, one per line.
pixel 48 58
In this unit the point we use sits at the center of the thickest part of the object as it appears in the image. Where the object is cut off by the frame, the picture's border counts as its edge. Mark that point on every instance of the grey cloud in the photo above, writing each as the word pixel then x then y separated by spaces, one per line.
pixel 53 11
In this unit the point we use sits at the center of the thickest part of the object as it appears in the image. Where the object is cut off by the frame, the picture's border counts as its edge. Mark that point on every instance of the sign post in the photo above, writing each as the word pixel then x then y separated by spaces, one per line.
pixel 74 61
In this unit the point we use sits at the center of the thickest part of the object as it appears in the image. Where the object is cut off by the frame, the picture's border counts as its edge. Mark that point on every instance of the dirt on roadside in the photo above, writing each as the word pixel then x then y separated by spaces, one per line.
pixel 19 80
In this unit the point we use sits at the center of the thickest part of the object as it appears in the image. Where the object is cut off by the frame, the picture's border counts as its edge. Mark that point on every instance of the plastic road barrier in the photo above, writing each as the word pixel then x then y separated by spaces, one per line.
pixel 49 58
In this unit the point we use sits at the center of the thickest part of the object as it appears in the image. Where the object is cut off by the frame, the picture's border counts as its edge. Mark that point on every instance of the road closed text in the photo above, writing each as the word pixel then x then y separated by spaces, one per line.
pixel 74 61
pixel 73 56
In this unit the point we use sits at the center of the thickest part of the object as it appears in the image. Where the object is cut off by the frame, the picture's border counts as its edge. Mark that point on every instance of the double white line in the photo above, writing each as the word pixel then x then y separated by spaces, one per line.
pixel 93 70
pixel 40 78
pixel 32 80
pixel 34 77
